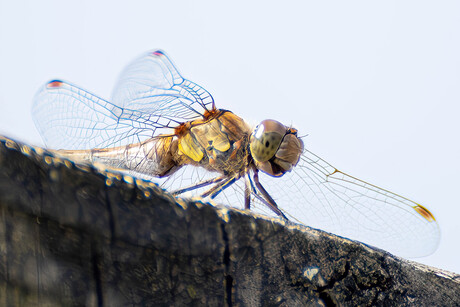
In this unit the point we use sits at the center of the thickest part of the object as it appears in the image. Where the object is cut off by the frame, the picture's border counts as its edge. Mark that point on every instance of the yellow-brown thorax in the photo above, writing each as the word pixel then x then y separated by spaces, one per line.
pixel 217 143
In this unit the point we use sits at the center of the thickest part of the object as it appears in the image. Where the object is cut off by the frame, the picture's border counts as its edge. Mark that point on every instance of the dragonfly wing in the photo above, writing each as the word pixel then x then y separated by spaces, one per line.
pixel 68 117
pixel 189 175
pixel 151 83
pixel 318 195
pixel 150 95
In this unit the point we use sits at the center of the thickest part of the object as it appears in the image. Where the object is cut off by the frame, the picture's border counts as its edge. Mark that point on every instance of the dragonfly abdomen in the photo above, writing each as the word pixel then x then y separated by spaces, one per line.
pixel 154 156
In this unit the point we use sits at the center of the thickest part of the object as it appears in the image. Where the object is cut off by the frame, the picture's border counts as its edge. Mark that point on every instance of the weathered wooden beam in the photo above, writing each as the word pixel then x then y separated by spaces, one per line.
pixel 82 235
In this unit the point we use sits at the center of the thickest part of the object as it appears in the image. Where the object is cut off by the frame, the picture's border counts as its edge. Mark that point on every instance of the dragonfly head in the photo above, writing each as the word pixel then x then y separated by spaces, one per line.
pixel 275 148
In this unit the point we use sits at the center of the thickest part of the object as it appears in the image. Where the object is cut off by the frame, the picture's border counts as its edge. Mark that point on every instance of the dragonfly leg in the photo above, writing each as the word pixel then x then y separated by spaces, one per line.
pixel 219 187
pixel 269 200
pixel 198 185
pixel 247 191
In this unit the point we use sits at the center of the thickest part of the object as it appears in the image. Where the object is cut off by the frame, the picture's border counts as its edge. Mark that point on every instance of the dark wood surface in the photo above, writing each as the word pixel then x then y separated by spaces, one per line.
pixel 78 235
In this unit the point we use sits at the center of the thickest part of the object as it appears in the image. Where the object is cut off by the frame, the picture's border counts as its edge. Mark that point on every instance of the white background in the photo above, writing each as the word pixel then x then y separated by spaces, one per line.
pixel 374 85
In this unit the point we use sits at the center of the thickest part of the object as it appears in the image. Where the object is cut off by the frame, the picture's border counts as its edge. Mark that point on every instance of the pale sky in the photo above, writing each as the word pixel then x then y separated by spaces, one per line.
pixel 375 85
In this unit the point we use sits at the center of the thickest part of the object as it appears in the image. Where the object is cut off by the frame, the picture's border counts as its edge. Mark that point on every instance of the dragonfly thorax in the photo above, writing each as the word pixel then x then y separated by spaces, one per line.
pixel 217 144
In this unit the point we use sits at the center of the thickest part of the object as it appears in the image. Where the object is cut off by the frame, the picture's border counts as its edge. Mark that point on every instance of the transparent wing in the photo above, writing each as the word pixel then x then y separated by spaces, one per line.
pixel 152 84
pixel 150 95
pixel 186 176
pixel 318 195
pixel 191 175
pixel 68 117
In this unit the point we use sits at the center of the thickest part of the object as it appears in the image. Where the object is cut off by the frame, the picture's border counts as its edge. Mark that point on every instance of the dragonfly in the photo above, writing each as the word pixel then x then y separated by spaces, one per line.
pixel 163 126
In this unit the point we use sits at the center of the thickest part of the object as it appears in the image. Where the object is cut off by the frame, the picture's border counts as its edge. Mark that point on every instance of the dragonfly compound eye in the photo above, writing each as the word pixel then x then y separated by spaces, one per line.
pixel 266 139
